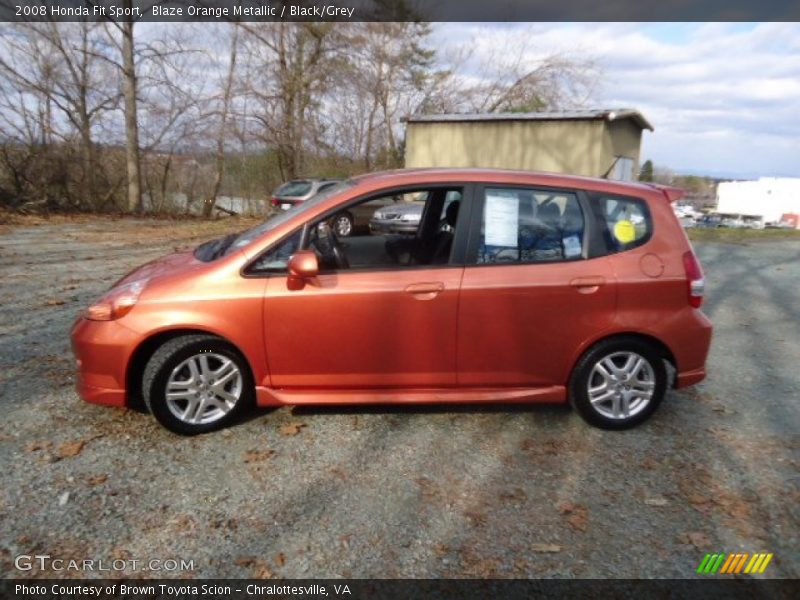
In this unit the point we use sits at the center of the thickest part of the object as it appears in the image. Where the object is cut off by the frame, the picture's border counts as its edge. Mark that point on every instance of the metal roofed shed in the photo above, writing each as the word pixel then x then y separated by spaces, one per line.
pixel 596 143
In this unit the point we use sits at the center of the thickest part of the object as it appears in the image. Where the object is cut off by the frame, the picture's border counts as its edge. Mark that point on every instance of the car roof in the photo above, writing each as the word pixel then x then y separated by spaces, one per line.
pixel 478 175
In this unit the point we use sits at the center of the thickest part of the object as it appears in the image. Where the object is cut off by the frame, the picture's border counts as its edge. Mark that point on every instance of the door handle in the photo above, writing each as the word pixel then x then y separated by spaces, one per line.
pixel 425 291
pixel 587 285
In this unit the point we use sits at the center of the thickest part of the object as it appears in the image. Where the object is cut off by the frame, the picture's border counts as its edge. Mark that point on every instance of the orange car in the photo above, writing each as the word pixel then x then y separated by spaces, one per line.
pixel 522 287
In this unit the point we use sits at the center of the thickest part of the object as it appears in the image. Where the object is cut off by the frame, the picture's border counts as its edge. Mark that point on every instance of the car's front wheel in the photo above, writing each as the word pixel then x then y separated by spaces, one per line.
pixel 196 383
pixel 618 383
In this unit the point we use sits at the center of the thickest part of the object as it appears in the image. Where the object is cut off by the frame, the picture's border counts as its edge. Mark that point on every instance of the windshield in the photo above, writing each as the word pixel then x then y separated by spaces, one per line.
pixel 248 236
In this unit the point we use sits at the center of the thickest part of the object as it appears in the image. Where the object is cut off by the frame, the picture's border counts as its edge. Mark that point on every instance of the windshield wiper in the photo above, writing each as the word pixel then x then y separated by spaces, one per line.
pixel 223 244
pixel 213 249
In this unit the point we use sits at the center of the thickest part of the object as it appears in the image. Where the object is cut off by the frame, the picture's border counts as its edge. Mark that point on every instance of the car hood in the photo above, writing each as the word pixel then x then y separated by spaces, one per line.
pixel 165 265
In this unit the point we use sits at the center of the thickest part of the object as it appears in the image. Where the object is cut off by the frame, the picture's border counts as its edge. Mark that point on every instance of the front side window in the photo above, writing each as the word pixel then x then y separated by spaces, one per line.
pixel 530 226
pixel 276 258
pixel 403 228
pixel 625 222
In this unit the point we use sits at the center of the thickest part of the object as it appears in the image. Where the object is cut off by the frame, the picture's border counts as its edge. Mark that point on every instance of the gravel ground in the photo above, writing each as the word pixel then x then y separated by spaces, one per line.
pixel 396 492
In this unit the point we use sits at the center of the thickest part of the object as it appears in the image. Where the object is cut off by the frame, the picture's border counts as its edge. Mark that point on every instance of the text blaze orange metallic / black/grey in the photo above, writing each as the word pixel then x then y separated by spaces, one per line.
pixel 510 287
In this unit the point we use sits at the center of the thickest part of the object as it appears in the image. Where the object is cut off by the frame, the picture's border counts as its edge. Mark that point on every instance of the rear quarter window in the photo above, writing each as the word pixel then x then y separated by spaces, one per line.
pixel 625 222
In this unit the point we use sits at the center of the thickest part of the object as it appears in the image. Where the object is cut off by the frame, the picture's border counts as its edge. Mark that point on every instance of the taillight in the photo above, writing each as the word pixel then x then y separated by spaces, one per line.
pixel 275 202
pixel 694 279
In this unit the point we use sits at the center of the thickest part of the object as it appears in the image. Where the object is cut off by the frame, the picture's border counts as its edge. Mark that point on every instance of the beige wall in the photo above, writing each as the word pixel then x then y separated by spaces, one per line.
pixel 575 147
pixel 622 138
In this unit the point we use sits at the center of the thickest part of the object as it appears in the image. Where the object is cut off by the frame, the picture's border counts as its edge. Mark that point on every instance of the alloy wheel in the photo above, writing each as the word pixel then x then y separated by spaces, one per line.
pixel 621 385
pixel 203 388
pixel 342 226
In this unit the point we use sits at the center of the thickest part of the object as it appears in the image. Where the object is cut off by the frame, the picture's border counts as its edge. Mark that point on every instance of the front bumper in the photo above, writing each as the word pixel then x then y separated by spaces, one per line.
pixel 102 352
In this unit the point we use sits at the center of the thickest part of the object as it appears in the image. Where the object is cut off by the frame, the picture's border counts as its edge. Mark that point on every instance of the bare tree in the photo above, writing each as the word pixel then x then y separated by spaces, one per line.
pixel 224 112
pixel 512 77
pixel 57 63
pixel 288 72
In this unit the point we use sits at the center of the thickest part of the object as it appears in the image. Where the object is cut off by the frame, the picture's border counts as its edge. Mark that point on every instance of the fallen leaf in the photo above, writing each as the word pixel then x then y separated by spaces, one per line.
pixel 261 569
pixel 565 507
pixel 244 561
pixel 698 499
pixel 68 449
pixel 54 302
pixel 577 514
pixel 475 518
pixel 657 501
pixel 97 479
pixel 546 548
pixel 280 559
pixel 292 428
pixel 698 539
pixel 515 494
pixel 34 446
pixel 252 456
pixel 649 464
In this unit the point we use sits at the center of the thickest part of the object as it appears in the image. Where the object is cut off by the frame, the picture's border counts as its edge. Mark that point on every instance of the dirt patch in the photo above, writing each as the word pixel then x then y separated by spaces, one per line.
pixel 403 491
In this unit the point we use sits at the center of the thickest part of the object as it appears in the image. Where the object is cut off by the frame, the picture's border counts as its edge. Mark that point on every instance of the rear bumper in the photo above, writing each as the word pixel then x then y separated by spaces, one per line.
pixel 688 378
pixel 690 348
pixel 102 351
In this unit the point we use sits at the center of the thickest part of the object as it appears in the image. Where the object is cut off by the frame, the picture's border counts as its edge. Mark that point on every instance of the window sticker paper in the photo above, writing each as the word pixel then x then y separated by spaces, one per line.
pixel 501 215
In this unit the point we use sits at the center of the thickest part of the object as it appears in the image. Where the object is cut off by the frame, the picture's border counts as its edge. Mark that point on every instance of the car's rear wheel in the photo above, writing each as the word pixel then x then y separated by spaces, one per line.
pixel 196 383
pixel 618 383
pixel 342 225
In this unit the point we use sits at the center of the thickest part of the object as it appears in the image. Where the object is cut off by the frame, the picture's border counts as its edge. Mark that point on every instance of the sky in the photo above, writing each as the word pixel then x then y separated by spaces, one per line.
pixel 724 98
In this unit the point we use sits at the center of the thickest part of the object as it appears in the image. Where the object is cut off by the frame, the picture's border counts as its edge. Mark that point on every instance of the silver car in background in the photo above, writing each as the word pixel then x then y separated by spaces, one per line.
pixel 399 217
pixel 404 214
pixel 296 191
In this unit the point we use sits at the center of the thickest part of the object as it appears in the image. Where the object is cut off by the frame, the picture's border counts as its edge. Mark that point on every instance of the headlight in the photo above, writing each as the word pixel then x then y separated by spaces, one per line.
pixel 117 303
pixel 410 217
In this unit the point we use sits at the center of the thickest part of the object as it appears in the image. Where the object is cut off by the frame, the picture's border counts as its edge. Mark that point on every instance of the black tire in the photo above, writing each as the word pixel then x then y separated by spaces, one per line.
pixel 578 391
pixel 343 224
pixel 172 354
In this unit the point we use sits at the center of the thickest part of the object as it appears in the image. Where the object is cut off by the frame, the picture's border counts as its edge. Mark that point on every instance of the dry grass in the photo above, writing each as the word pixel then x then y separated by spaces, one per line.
pixel 740 236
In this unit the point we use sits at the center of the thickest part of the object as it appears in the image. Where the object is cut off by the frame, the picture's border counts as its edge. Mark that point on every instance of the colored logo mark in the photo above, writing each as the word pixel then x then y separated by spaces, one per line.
pixel 741 562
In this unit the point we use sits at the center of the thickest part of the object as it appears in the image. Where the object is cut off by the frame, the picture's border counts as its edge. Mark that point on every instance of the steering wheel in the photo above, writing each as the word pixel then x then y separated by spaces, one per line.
pixel 329 246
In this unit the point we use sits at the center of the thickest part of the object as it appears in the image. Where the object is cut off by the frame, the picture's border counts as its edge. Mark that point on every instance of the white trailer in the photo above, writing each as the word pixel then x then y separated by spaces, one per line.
pixel 768 197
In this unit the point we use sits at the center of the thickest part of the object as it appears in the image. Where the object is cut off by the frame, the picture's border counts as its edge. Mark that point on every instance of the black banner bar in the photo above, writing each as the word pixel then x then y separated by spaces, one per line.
pixel 365 589
pixel 397 10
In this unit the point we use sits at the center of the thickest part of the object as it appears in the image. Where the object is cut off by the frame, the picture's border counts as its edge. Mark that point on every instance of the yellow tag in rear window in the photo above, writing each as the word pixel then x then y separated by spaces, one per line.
pixel 624 231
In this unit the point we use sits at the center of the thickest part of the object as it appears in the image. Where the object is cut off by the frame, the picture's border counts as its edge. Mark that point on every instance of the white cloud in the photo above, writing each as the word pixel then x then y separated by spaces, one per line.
pixel 723 97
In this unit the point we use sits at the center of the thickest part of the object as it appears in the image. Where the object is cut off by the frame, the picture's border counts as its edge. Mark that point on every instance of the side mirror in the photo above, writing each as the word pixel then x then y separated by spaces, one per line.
pixel 302 265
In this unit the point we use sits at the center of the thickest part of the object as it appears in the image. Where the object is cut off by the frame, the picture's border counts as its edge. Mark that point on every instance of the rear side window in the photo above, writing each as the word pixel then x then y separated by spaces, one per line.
pixel 625 222
pixel 530 226
pixel 294 188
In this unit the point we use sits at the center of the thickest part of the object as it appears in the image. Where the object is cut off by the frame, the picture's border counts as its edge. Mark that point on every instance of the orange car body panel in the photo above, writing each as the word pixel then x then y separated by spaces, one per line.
pixel 456 333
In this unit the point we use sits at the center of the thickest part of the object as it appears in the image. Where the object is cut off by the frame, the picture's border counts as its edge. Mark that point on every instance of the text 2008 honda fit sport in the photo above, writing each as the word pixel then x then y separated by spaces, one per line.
pixel 514 287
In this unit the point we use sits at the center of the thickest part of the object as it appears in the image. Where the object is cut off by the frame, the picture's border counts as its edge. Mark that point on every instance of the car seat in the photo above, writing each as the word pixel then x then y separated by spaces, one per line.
pixel 444 238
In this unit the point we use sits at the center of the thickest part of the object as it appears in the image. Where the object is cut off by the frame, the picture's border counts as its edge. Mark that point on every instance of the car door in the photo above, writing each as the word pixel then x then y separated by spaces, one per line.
pixel 364 328
pixel 530 294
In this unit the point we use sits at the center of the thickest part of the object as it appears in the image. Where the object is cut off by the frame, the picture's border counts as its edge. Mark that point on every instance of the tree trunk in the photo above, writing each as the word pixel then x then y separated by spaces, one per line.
pixel 131 123
pixel 208 207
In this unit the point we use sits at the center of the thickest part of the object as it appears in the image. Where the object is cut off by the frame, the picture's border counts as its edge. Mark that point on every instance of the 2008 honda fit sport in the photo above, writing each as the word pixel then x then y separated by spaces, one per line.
pixel 515 287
